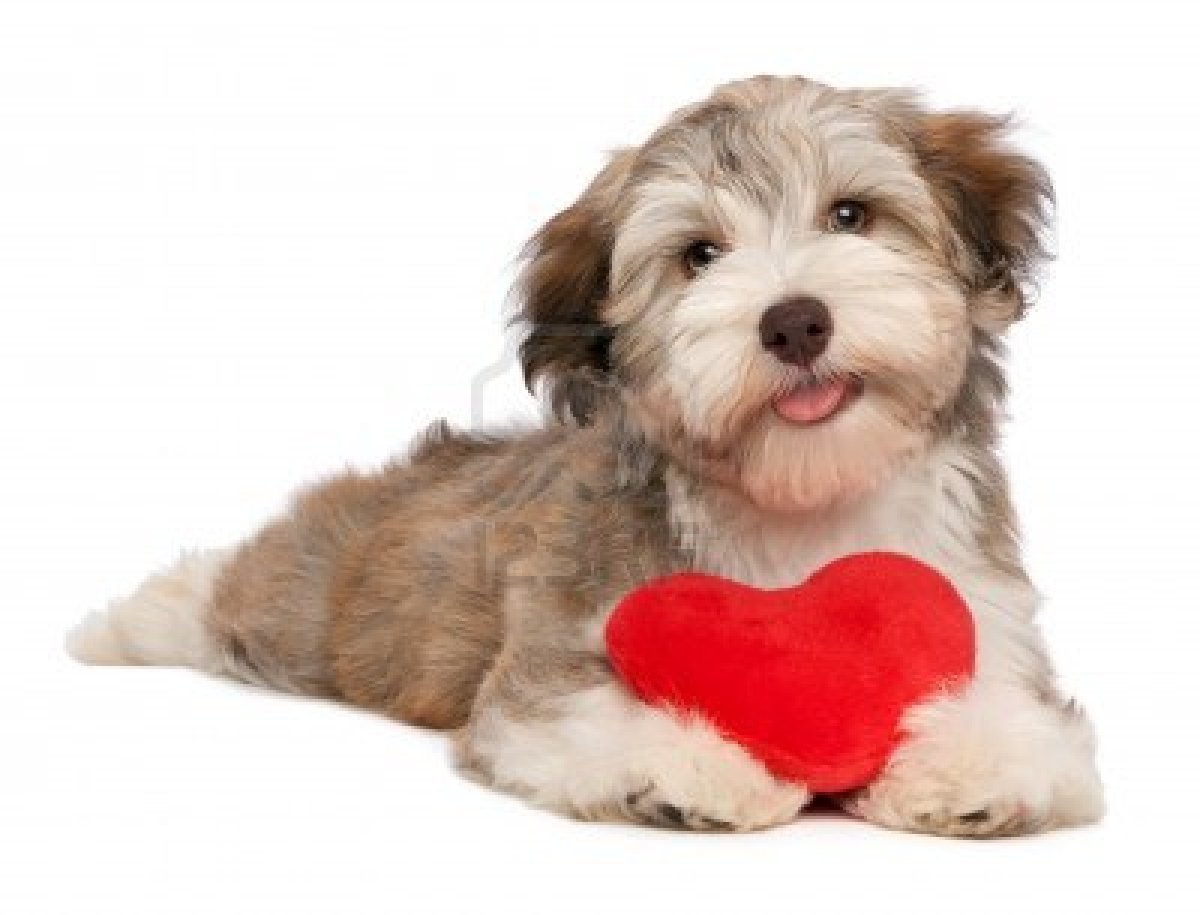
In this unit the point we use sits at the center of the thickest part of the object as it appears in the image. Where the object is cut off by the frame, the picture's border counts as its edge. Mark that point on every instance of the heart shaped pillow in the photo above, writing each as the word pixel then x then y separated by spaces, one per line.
pixel 813 679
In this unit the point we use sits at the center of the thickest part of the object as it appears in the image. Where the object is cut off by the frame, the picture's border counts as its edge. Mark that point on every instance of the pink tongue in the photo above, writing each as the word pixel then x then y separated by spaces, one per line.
pixel 812 403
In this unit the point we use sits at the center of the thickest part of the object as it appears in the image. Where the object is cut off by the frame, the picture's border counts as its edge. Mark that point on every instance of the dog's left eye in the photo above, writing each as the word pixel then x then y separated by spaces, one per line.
pixel 700 254
pixel 847 216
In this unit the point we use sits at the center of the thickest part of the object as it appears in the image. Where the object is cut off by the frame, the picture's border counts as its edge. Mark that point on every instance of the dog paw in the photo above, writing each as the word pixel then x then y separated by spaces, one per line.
pixel 945 809
pixel 608 756
pixel 986 765
pixel 713 807
pixel 693 779
pixel 649 806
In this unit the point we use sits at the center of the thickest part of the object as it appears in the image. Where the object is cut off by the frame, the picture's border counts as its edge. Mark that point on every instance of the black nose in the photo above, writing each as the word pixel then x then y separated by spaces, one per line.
pixel 796 330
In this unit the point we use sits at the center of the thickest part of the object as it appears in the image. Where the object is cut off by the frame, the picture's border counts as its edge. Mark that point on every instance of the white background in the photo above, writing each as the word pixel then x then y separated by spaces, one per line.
pixel 244 243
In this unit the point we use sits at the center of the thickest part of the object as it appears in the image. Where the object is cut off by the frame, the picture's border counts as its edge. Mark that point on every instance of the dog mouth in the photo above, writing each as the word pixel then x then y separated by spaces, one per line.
pixel 814 400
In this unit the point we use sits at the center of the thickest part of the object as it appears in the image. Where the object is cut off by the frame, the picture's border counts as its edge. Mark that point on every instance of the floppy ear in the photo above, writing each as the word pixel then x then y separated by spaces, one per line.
pixel 998 201
pixel 560 291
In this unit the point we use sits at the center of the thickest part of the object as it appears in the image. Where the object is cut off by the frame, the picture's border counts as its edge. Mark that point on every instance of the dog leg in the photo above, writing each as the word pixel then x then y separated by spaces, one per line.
pixel 596 752
pixel 994 761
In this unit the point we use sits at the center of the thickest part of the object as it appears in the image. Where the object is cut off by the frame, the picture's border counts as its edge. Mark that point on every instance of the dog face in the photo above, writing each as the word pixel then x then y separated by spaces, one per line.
pixel 789 286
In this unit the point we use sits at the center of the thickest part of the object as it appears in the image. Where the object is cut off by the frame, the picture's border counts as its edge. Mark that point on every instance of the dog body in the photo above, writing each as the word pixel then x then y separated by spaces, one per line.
pixel 771 338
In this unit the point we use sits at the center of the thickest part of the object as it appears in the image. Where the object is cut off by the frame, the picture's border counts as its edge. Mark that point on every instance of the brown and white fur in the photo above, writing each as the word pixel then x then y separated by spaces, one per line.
pixel 466 586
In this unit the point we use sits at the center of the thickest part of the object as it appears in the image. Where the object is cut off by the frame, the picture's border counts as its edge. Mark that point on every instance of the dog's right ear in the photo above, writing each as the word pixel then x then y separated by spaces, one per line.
pixel 560 290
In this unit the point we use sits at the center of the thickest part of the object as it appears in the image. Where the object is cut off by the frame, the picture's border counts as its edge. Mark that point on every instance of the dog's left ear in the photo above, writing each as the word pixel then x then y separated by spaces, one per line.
pixel 561 288
pixel 998 202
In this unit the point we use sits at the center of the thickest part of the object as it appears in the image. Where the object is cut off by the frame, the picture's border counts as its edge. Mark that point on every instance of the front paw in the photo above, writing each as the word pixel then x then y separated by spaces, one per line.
pixel 945 805
pixel 712 795
pixel 608 756
pixel 650 806
pixel 681 774
pixel 990 763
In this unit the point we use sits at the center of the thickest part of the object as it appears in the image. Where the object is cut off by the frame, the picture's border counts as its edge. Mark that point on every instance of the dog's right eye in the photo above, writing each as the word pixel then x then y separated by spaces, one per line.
pixel 698 255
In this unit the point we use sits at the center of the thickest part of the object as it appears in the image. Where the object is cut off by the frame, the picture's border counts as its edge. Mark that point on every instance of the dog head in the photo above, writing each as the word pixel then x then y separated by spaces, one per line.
pixel 791 286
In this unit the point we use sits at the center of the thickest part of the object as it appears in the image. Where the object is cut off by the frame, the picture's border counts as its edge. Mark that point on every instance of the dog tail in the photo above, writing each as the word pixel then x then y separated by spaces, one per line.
pixel 163 622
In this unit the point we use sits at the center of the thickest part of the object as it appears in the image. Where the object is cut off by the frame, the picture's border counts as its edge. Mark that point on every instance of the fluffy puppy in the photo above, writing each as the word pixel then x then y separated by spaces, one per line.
pixel 770 336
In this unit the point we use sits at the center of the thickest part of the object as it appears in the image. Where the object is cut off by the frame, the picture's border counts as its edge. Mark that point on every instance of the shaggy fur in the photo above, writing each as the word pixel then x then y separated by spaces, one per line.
pixel 466 586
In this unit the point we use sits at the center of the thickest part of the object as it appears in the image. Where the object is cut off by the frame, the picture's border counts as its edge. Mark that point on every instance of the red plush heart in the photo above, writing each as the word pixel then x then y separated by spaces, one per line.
pixel 813 680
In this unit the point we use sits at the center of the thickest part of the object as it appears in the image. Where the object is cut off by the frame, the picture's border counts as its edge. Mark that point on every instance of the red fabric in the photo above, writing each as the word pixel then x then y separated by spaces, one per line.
pixel 812 679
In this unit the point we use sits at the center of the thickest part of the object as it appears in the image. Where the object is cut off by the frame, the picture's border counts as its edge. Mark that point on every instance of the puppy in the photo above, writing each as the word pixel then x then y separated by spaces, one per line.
pixel 770 337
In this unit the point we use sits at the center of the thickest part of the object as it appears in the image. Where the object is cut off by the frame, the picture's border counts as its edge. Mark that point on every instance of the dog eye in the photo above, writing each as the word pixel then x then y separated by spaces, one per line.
pixel 699 254
pixel 847 216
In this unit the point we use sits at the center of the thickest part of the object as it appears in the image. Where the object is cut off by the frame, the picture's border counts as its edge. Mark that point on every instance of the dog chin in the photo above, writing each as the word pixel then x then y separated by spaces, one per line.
pixel 787 464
